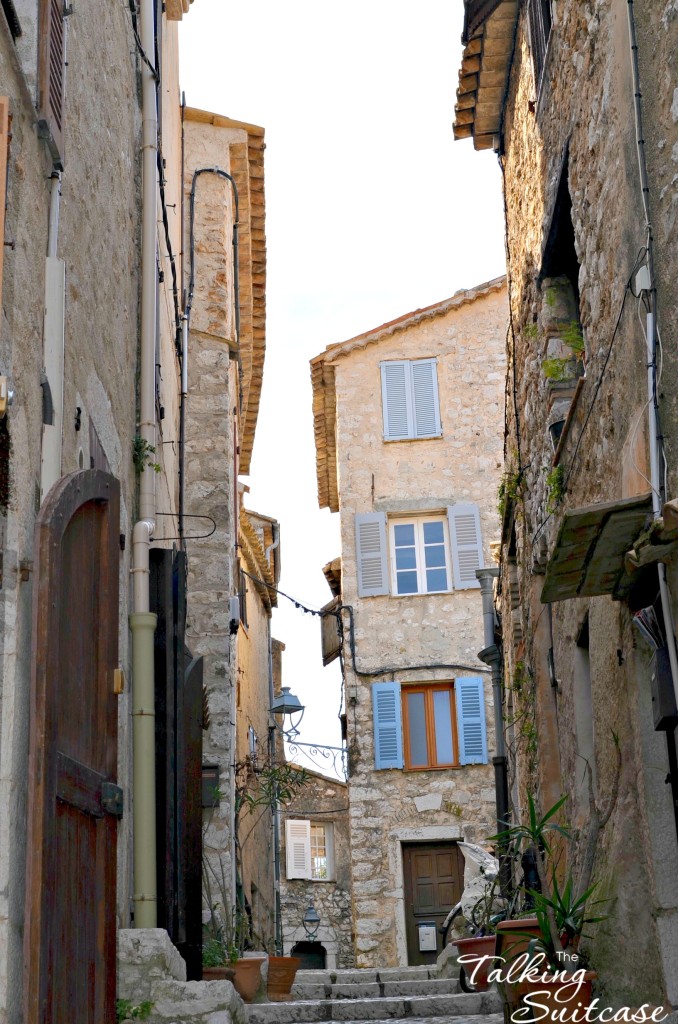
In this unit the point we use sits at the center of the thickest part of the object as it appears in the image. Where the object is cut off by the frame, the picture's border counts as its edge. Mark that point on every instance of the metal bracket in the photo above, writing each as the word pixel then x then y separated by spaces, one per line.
pixel 112 799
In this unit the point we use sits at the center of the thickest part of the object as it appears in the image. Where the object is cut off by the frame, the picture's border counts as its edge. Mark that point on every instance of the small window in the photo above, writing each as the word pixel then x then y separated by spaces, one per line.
pixel 539 19
pixel 310 849
pixel 429 726
pixel 420 556
pixel 409 390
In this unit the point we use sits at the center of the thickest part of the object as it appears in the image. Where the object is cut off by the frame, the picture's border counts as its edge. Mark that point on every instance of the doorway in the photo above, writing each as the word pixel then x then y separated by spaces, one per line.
pixel 433 874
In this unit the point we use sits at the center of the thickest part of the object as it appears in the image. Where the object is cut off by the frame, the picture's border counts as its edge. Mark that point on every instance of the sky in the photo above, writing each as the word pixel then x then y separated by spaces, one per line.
pixel 372 211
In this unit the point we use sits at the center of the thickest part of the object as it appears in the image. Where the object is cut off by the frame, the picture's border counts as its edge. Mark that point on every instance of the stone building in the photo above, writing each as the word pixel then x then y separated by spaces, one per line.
pixel 409 452
pixel 316 872
pixel 580 102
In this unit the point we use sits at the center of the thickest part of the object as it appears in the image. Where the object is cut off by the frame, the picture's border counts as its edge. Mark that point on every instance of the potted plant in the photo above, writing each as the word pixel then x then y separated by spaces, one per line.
pixel 282 971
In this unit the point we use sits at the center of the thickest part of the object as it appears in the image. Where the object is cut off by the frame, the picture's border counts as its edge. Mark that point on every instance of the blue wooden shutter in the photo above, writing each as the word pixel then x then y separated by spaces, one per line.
pixel 370 547
pixel 470 701
pixel 424 377
pixel 466 543
pixel 396 400
pixel 388 731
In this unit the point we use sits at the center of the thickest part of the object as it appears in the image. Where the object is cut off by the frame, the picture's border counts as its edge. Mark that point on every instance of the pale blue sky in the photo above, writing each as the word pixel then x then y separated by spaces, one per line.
pixel 372 211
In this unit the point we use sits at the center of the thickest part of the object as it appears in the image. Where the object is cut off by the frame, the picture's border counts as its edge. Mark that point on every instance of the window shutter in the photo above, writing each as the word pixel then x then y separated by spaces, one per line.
pixel 370 544
pixel 425 398
pixel 470 701
pixel 396 400
pixel 51 77
pixel 298 848
pixel 466 543
pixel 388 732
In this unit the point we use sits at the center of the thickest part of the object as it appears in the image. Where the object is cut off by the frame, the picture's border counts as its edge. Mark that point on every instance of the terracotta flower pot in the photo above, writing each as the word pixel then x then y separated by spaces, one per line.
pixel 561 999
pixel 482 945
pixel 281 973
pixel 512 939
pixel 218 973
pixel 247 977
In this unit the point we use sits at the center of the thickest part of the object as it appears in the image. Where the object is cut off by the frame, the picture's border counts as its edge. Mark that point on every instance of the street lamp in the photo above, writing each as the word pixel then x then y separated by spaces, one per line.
pixel 311 922
pixel 287 704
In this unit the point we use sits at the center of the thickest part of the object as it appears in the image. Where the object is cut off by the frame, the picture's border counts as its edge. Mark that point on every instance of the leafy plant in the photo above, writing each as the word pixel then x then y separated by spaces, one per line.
pixel 555 488
pixel 574 337
pixel 509 491
pixel 555 369
pixel 126 1010
pixel 142 451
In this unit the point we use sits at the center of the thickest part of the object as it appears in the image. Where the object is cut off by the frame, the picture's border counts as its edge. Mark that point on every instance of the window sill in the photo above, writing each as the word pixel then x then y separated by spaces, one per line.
pixel 435 768
pixel 408 440
pixel 432 593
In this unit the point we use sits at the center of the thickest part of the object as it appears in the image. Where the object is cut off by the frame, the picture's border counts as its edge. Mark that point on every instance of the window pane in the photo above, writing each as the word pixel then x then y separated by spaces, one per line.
pixel 406 558
pixel 434 555
pixel 318 852
pixel 404 534
pixel 416 715
pixel 433 533
pixel 442 717
pixel 436 580
pixel 407 582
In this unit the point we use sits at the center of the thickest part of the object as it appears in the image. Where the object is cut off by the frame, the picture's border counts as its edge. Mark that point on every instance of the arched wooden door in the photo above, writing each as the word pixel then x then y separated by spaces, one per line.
pixel 73 802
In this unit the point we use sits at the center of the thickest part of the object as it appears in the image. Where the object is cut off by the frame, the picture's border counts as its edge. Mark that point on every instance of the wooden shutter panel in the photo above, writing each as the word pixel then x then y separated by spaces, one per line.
pixel 370 543
pixel 466 543
pixel 471 729
pixel 395 394
pixel 52 63
pixel 4 131
pixel 388 730
pixel 298 848
pixel 425 398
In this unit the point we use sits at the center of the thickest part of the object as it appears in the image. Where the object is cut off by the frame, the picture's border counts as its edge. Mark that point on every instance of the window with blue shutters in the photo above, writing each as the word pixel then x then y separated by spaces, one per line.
pixel 388 733
pixel 471 728
pixel 409 391
pixel 371 556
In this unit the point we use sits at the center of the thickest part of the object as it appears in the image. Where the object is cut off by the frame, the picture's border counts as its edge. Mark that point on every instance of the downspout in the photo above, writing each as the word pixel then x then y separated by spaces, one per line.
pixel 142 621
pixel 275 815
pixel 656 445
pixel 491 655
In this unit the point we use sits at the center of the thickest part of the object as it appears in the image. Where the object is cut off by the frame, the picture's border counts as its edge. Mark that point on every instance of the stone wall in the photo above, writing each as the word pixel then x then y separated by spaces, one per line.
pixel 584 111
pixel 390 807
pixel 323 800
pixel 98 240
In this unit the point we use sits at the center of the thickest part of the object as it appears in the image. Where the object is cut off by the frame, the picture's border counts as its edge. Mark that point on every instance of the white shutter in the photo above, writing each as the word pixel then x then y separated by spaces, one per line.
pixel 466 543
pixel 395 395
pixel 425 398
pixel 298 848
pixel 370 545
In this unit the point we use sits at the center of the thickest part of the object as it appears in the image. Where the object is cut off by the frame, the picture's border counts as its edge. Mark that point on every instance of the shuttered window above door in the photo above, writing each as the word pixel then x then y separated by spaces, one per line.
pixel 409 391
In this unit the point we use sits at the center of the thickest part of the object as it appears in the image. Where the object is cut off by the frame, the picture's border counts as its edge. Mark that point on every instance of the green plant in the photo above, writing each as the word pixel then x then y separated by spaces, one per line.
pixel 574 337
pixel 555 488
pixel 126 1010
pixel 531 331
pixel 555 369
pixel 509 491
pixel 141 455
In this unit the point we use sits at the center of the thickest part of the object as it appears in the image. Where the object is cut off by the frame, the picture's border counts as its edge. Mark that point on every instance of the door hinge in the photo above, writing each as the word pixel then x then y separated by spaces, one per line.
pixel 112 799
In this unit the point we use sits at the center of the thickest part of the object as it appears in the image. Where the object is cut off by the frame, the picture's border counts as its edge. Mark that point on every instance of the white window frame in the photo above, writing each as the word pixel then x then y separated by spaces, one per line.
pixel 328 833
pixel 413 433
pixel 418 523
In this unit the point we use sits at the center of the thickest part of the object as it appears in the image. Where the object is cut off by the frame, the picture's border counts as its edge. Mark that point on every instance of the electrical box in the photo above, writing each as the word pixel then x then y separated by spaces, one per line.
pixel 664 708
pixel 428 939
pixel 210 785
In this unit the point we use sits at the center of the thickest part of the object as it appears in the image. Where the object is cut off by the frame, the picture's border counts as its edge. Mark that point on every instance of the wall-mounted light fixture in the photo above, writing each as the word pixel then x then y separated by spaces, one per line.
pixel 311 922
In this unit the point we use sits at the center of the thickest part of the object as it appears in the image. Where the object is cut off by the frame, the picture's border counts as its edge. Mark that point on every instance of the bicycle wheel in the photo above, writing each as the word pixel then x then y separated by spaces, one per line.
pixel 464 981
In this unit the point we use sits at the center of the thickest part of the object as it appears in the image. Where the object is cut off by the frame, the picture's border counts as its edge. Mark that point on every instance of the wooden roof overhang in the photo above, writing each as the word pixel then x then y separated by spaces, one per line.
pixel 590 555
pixel 489 37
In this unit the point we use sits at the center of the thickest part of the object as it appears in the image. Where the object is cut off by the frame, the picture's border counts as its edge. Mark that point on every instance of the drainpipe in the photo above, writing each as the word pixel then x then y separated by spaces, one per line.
pixel 491 655
pixel 276 807
pixel 142 621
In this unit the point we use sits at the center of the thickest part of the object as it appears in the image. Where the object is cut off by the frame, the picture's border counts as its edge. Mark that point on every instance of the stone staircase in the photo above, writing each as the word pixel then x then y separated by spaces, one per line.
pixel 391 994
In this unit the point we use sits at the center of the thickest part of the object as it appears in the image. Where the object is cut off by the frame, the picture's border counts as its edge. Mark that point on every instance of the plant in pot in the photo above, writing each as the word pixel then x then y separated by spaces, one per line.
pixel 549 940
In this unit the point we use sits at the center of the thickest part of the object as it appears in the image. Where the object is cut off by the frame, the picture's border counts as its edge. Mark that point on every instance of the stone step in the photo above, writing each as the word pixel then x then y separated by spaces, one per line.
pixel 367 975
pixel 375 1009
pixel 370 990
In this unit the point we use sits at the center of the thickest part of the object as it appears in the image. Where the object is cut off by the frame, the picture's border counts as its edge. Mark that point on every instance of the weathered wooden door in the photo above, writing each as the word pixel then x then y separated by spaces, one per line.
pixel 70 948
pixel 434 879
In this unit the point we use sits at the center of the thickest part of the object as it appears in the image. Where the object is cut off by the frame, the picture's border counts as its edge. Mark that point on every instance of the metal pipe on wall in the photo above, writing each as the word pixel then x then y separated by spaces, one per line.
pixel 491 655
pixel 142 621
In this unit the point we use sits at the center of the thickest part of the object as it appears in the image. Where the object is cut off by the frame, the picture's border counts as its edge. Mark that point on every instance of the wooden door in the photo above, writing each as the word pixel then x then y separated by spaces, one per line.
pixel 434 879
pixel 73 803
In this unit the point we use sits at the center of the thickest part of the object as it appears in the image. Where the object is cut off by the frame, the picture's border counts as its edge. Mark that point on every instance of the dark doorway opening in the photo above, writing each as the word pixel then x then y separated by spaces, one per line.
pixel 313 955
